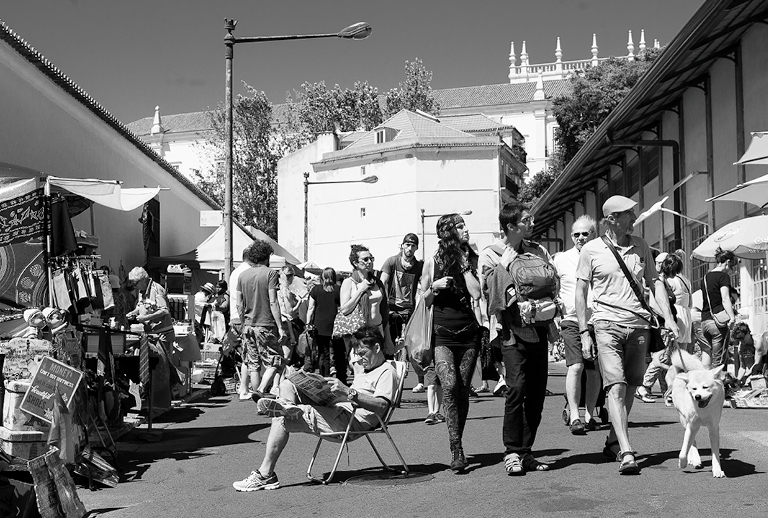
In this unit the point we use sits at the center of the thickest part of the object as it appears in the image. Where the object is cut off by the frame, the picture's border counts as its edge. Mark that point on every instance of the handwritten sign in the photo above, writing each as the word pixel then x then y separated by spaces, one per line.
pixel 38 400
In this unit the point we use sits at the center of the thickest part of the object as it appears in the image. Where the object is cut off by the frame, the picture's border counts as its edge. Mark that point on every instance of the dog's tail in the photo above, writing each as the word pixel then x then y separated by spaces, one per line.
pixel 684 361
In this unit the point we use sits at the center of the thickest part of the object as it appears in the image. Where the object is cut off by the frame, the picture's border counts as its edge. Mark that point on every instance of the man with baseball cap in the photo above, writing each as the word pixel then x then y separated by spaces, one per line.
pixel 621 323
pixel 400 275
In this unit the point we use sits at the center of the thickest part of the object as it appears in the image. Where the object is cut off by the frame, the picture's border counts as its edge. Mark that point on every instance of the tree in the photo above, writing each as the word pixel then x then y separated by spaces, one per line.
pixel 254 162
pixel 594 94
pixel 316 110
pixel 415 93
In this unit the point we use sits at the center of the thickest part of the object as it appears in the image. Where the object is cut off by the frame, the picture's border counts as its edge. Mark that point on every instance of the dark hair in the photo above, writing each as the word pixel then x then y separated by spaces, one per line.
pixel 740 330
pixel 671 265
pixel 354 251
pixel 222 285
pixel 722 256
pixel 450 250
pixel 259 251
pixel 329 278
pixel 511 213
pixel 369 335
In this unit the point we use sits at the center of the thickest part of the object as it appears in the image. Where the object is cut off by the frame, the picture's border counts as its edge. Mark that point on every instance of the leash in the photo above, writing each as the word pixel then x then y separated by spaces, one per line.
pixel 685 369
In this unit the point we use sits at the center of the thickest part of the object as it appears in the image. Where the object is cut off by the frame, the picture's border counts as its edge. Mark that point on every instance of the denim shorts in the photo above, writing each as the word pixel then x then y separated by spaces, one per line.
pixel 322 419
pixel 569 331
pixel 621 351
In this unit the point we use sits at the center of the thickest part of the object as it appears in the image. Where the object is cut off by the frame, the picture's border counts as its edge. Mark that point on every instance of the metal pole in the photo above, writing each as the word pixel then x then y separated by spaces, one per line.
pixel 229 44
pixel 423 244
pixel 306 216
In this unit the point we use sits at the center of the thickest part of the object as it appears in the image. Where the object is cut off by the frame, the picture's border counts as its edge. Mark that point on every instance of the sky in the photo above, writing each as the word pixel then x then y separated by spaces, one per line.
pixel 132 55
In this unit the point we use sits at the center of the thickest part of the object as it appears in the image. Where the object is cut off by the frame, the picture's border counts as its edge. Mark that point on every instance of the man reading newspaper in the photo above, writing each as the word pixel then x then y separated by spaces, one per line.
pixel 371 393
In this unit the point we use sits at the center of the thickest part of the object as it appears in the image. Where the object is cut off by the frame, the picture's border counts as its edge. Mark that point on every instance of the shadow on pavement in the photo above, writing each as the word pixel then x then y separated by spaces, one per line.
pixel 733 468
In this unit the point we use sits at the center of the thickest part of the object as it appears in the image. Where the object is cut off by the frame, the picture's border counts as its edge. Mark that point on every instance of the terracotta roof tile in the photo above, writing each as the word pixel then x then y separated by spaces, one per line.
pixel 492 95
pixel 410 125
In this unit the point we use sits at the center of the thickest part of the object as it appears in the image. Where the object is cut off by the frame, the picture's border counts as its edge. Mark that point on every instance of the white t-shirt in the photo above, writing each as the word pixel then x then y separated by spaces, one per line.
pixel 234 293
pixel 565 264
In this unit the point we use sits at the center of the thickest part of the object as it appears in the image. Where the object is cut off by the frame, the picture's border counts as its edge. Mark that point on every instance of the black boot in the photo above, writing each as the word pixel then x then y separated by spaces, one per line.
pixel 459 462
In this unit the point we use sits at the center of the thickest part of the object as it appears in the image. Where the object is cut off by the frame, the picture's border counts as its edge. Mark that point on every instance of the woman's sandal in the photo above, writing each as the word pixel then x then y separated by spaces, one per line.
pixel 512 464
pixel 531 464
pixel 612 450
pixel 628 466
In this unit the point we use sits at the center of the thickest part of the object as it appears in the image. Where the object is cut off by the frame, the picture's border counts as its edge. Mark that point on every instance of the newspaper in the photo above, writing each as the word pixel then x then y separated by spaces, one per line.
pixel 314 386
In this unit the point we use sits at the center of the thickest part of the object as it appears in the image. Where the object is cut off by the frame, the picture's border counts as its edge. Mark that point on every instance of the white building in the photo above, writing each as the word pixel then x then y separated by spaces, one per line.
pixel 445 165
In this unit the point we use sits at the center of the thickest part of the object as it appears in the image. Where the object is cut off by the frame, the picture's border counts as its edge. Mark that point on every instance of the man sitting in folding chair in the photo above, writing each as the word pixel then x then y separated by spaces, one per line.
pixel 370 395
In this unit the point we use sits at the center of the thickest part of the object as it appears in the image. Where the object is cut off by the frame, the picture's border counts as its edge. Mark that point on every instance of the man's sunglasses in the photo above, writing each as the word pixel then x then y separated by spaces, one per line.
pixel 581 234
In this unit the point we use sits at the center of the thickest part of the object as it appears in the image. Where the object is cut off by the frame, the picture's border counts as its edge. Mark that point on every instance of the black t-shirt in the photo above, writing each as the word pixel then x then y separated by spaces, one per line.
pixel 402 283
pixel 326 306
pixel 713 299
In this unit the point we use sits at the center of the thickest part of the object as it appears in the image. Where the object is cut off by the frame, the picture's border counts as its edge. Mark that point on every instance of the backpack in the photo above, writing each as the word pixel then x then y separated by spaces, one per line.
pixel 534 278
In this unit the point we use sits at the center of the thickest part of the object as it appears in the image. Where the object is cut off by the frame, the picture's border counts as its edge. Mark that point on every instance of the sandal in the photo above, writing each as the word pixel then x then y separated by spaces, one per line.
pixel 531 464
pixel 512 464
pixel 628 466
pixel 612 449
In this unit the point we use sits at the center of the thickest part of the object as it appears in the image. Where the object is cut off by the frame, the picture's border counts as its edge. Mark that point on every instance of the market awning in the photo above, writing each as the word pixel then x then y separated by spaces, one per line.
pixel 106 192
pixel 754 192
pixel 757 152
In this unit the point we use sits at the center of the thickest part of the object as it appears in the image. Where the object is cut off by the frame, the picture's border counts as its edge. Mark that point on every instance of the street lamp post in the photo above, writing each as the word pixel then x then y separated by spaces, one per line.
pixel 423 217
pixel 307 183
pixel 357 31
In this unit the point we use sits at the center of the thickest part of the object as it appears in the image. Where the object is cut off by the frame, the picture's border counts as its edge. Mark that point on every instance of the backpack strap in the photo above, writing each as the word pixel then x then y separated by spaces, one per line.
pixel 631 279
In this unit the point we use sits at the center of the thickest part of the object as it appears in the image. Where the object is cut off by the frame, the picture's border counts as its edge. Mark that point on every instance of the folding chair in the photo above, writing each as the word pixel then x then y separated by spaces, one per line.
pixel 350 435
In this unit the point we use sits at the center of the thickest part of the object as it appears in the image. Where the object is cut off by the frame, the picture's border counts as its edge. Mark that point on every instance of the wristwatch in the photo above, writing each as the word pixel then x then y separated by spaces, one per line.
pixel 352 395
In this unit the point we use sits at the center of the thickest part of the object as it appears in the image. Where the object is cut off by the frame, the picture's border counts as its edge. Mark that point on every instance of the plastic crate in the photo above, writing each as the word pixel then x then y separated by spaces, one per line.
pixel 210 355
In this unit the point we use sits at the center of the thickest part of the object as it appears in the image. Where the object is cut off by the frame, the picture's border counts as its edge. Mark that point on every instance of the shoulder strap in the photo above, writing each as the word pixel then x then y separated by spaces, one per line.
pixel 630 278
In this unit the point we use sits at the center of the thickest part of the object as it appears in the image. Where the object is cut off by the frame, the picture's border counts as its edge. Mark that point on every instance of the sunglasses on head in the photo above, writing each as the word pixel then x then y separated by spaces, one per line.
pixel 581 234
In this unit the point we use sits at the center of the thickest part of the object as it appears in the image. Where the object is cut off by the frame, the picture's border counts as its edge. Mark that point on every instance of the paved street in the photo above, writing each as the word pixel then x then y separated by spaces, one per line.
pixel 209 443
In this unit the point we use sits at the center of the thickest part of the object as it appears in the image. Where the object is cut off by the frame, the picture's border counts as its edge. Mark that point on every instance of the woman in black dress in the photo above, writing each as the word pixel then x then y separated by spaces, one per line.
pixel 451 287
pixel 324 303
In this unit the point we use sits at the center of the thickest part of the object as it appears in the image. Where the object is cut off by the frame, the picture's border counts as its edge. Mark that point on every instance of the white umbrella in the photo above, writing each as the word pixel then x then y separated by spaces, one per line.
pixel 757 152
pixel 754 192
pixel 651 211
pixel 747 238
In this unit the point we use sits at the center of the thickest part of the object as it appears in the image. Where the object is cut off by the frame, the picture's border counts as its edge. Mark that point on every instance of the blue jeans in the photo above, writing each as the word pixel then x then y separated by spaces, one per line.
pixel 717 339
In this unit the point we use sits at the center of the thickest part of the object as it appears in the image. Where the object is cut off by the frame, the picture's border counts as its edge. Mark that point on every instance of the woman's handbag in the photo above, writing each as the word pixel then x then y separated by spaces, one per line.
pixel 721 318
pixel 348 324
pixel 417 335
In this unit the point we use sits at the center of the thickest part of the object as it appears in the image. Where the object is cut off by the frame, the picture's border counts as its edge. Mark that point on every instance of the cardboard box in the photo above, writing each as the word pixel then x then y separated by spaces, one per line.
pixel 23 444
pixel 13 418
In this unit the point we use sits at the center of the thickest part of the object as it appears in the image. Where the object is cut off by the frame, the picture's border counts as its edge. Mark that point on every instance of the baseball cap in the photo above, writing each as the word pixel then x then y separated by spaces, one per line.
pixel 660 258
pixel 411 238
pixel 617 204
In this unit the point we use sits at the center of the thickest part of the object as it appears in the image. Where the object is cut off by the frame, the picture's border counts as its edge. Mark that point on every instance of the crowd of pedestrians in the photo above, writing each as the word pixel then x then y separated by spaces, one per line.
pixel 602 297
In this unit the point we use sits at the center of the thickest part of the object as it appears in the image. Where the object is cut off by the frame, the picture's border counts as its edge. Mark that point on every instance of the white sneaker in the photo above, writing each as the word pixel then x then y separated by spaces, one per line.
pixel 278 408
pixel 500 387
pixel 418 388
pixel 255 482
pixel 245 397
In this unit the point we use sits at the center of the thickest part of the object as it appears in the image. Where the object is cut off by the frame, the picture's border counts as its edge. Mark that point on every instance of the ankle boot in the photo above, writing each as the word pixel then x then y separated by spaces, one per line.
pixel 459 462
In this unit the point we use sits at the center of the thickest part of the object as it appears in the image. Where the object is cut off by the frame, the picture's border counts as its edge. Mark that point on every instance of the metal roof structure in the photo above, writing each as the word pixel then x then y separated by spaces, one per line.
pixel 712 32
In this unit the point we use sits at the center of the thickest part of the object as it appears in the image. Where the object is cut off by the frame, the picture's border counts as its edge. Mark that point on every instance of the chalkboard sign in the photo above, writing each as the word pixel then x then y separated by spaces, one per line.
pixel 39 399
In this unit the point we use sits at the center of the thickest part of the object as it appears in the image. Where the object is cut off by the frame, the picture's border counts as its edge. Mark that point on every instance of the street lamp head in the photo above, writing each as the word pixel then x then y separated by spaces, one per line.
pixel 370 179
pixel 356 31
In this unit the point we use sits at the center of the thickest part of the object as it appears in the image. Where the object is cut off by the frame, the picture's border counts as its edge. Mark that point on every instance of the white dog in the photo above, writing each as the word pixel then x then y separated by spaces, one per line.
pixel 698 395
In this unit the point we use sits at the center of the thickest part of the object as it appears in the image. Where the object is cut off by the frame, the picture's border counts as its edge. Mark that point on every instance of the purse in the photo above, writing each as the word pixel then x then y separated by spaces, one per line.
pixel 655 341
pixel 721 318
pixel 348 324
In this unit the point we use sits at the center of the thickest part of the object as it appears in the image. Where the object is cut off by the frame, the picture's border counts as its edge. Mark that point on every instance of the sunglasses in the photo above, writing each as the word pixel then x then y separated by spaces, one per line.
pixel 368 259
pixel 581 234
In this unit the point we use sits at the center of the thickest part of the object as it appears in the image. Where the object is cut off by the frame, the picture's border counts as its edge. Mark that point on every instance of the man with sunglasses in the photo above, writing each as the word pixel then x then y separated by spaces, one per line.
pixel 583 230
pixel 620 319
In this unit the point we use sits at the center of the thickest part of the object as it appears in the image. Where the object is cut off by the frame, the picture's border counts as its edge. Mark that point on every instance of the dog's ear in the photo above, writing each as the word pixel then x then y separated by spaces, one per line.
pixel 718 373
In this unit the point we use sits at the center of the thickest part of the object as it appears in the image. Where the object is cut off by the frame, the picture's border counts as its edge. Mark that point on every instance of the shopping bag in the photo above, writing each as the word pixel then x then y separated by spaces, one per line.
pixel 348 324
pixel 417 335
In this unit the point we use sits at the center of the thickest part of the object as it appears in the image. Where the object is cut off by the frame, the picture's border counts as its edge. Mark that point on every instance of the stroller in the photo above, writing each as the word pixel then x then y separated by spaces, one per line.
pixel 226 377
pixel 601 411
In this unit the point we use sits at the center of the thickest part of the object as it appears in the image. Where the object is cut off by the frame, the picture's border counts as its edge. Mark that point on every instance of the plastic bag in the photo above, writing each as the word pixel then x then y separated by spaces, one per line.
pixel 417 335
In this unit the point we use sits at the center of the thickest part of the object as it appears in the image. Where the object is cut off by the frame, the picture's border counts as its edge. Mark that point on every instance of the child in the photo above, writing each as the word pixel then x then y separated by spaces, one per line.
pixel 434 396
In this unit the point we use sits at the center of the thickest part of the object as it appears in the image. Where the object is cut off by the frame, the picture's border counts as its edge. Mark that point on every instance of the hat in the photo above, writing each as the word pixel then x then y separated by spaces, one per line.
pixel 660 258
pixel 207 287
pixel 617 204
pixel 411 238
pixel 35 318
